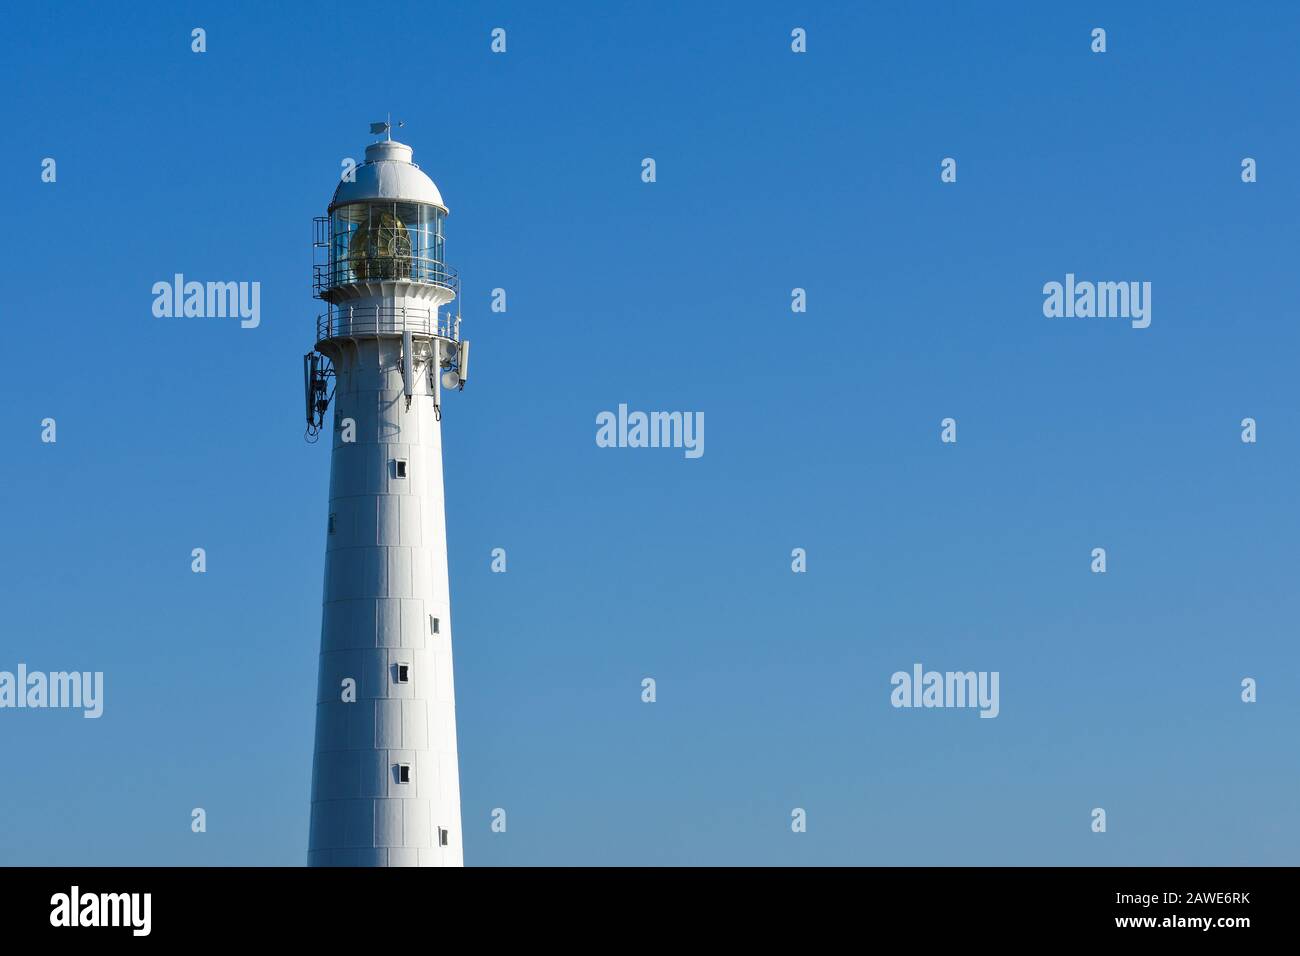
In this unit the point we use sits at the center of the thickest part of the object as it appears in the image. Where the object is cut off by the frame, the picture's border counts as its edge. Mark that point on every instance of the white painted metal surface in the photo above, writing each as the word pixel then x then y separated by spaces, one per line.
pixel 388 173
pixel 385 781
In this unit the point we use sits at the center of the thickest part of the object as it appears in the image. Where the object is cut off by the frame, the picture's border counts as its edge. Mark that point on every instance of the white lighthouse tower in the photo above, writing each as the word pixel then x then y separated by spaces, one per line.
pixel 385 784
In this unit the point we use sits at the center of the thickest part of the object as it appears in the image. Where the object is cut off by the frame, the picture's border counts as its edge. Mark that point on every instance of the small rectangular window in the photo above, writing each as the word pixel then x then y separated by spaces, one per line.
pixel 433 624
pixel 399 467
pixel 442 837
pixel 403 673
pixel 333 522
pixel 403 773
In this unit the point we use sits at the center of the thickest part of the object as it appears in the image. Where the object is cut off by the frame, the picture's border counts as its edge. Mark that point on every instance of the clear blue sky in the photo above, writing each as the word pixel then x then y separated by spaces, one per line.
pixel 775 170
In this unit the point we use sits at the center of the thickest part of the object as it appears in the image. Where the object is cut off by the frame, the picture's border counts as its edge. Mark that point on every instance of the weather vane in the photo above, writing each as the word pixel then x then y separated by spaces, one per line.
pixel 386 127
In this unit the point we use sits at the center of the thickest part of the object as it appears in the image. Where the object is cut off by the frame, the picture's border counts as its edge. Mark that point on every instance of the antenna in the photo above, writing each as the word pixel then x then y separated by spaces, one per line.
pixel 408 366
pixel 308 377
pixel 316 373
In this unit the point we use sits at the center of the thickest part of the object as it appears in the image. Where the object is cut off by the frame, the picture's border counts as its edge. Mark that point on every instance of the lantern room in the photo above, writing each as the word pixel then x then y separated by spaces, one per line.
pixel 385 223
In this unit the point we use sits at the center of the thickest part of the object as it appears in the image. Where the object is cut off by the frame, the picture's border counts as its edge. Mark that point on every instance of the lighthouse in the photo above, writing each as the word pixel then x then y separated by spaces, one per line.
pixel 385 787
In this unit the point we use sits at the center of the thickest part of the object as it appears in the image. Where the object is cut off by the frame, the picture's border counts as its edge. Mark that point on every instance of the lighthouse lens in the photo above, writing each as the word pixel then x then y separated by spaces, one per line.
pixel 380 248
pixel 386 240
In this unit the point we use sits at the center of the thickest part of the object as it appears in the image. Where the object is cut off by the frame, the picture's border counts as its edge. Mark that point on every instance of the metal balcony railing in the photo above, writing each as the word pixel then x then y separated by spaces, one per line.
pixel 356 321
pixel 332 275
